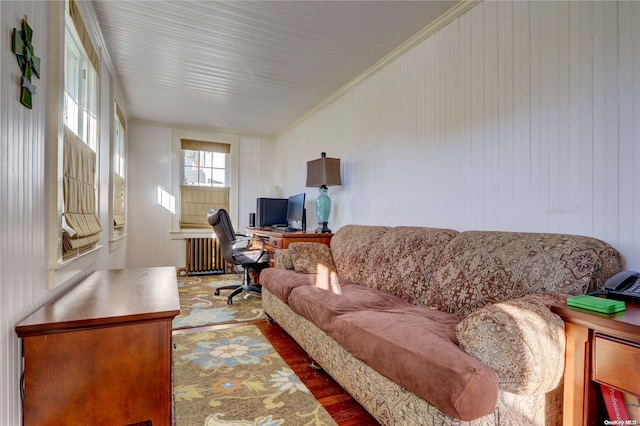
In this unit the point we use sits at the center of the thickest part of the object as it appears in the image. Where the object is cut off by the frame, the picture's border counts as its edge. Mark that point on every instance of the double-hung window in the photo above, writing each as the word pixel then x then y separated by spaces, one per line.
pixel 118 172
pixel 80 225
pixel 204 177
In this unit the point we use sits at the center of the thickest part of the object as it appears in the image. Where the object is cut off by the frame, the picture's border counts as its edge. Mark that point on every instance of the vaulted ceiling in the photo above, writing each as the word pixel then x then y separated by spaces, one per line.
pixel 249 67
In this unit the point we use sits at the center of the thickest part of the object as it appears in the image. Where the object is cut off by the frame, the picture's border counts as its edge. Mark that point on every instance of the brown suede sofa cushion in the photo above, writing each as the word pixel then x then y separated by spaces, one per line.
pixel 413 346
pixel 281 282
pixel 422 356
pixel 321 306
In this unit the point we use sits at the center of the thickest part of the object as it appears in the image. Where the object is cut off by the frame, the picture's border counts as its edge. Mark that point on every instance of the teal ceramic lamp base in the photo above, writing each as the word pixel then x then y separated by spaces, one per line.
pixel 323 209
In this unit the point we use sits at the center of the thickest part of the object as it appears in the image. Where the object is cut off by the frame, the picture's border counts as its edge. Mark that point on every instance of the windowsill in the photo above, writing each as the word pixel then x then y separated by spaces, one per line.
pixel 116 242
pixel 191 233
pixel 60 273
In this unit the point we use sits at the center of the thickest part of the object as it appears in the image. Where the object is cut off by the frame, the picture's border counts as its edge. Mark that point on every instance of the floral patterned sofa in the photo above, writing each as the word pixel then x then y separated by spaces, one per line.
pixel 437 327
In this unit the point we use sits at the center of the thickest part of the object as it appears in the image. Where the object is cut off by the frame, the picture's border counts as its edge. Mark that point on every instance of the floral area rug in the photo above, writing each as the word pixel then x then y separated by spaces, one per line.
pixel 199 306
pixel 235 377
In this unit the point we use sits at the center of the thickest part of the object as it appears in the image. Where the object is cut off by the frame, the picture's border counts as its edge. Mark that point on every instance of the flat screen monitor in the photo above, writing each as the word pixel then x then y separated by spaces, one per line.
pixel 271 211
pixel 295 211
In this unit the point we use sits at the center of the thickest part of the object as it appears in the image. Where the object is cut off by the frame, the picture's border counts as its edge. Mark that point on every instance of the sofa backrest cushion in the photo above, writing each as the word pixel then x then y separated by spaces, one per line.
pixel 481 267
pixel 403 259
pixel 311 258
pixel 350 248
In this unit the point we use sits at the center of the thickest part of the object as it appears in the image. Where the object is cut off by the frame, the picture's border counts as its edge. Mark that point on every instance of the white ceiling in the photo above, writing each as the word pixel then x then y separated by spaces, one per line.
pixel 250 67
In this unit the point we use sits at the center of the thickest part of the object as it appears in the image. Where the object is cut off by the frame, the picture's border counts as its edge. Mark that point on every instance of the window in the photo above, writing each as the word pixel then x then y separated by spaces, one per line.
pixel 80 225
pixel 204 181
pixel 203 168
pixel 80 89
pixel 118 142
pixel 118 172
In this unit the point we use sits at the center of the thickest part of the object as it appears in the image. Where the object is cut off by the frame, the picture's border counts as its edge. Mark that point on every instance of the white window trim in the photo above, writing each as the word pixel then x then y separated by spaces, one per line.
pixel 176 135
pixel 116 240
pixel 59 271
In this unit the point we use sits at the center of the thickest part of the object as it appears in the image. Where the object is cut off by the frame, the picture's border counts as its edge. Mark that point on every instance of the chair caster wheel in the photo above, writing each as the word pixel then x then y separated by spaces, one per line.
pixel 217 292
pixel 229 302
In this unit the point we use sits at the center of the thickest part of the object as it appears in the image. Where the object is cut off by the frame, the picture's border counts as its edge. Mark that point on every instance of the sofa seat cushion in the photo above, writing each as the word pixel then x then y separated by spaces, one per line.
pixel 281 282
pixel 417 349
pixel 321 305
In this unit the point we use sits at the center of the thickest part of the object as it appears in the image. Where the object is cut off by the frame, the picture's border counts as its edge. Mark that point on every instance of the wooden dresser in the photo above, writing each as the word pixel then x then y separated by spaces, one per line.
pixel 101 352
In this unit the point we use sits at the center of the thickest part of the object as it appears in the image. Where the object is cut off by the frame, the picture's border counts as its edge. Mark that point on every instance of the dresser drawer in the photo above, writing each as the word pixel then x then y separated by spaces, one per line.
pixel 615 363
pixel 276 243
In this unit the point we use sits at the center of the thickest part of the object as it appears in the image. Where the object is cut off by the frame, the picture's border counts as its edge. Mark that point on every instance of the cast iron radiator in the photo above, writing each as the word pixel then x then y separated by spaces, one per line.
pixel 202 256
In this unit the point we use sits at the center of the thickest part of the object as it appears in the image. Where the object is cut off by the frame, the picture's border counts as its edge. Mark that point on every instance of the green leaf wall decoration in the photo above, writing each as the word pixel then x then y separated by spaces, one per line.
pixel 29 63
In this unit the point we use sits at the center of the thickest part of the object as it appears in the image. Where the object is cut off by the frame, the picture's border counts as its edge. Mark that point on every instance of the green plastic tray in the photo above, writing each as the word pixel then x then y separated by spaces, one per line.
pixel 598 304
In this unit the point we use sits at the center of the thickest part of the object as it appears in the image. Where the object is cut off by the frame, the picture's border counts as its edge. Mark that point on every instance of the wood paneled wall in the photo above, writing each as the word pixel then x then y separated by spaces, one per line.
pixel 24 183
pixel 22 198
pixel 515 116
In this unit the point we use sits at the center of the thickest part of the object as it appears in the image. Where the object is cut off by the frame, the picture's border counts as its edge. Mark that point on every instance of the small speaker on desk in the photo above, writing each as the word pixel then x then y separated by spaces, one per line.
pixel 252 220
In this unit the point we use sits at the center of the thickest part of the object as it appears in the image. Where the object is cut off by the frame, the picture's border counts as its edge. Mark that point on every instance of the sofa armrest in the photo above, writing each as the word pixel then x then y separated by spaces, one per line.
pixel 521 339
pixel 282 259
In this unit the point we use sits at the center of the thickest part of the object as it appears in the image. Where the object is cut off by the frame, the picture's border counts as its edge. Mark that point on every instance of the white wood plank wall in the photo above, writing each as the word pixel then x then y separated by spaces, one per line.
pixel 22 205
pixel 521 116
pixel 23 191
pixel 516 116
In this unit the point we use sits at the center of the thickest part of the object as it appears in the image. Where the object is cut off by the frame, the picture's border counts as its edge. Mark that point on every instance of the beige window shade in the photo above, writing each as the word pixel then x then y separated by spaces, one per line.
pixel 223 148
pixel 195 202
pixel 118 201
pixel 120 117
pixel 84 36
pixel 81 227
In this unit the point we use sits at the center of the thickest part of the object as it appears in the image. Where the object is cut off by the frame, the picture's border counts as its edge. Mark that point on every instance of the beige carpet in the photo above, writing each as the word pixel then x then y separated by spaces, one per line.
pixel 200 307
pixel 235 377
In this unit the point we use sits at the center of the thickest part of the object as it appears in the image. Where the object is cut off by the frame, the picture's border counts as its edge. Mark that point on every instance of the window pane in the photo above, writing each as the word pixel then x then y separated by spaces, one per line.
pixel 203 168
pixel 72 71
pixel 118 147
pixel 81 89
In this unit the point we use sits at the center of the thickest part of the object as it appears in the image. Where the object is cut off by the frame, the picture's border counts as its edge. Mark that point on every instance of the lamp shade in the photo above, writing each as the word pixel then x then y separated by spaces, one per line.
pixel 323 172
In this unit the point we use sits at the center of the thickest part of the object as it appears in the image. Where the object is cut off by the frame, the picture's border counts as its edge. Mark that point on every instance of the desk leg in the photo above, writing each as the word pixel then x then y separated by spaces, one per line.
pixel 579 392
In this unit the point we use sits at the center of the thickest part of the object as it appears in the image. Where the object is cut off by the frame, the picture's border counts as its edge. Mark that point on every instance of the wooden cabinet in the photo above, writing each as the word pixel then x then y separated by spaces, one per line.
pixel 600 349
pixel 277 240
pixel 100 353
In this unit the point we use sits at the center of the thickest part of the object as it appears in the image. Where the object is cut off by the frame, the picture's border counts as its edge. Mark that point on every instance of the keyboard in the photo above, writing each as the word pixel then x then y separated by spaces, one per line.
pixel 282 228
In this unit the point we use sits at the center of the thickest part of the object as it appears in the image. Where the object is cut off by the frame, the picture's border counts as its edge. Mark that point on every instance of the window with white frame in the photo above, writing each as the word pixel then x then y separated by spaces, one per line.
pixel 204 177
pixel 80 225
pixel 80 89
pixel 203 168
pixel 118 171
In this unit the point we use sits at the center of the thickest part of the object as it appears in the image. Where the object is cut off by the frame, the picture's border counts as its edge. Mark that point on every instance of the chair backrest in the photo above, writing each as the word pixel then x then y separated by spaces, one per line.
pixel 222 227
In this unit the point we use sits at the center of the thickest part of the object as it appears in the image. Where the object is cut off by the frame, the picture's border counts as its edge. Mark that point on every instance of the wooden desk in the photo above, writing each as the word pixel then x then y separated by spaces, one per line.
pixel 600 349
pixel 277 240
pixel 101 352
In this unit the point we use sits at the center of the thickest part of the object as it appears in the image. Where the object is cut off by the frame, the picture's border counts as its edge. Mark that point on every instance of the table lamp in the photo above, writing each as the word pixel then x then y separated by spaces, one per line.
pixel 322 173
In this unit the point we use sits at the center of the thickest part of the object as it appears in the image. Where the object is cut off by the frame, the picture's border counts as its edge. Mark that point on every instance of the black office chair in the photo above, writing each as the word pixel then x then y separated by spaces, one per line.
pixel 238 249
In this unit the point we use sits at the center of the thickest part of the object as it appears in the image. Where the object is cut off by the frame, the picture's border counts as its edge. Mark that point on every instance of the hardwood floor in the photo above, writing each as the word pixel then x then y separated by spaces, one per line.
pixel 339 404
pixel 343 408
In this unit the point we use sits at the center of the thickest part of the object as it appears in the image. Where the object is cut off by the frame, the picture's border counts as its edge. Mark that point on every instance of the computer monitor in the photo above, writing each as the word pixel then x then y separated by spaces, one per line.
pixel 295 211
pixel 271 211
